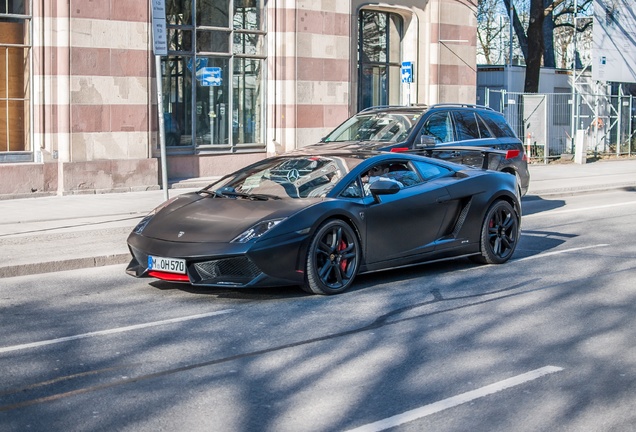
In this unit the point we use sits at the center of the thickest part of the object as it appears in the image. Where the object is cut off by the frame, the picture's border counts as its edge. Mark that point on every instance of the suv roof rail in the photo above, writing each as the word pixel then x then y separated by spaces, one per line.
pixel 462 105
pixel 393 106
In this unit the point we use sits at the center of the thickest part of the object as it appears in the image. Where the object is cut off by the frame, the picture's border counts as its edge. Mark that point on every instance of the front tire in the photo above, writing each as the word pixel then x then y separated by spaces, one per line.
pixel 499 234
pixel 333 258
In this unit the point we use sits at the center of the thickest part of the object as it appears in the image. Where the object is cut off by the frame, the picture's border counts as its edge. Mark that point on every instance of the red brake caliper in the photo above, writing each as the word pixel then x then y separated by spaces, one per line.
pixel 342 246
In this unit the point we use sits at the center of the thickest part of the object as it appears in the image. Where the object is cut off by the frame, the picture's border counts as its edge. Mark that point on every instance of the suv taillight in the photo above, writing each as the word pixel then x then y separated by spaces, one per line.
pixel 511 154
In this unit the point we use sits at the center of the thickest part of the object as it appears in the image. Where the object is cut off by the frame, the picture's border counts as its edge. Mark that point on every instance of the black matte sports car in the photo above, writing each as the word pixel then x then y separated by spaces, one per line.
pixel 319 219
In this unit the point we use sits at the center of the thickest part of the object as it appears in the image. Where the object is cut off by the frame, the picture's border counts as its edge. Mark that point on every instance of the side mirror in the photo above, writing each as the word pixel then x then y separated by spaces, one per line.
pixel 383 187
pixel 427 141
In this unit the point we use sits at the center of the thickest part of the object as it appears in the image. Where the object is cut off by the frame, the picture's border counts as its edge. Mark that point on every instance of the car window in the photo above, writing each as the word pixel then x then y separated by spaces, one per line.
pixel 353 190
pixel 430 171
pixel 497 123
pixel 484 132
pixel 466 124
pixel 399 172
pixel 382 127
pixel 439 126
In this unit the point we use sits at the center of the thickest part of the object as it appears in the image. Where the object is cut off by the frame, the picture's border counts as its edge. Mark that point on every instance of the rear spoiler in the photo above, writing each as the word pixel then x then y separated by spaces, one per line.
pixel 486 152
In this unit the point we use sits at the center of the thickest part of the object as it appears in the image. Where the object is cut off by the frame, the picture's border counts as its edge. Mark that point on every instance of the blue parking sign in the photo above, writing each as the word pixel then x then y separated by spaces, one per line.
pixel 210 76
pixel 407 72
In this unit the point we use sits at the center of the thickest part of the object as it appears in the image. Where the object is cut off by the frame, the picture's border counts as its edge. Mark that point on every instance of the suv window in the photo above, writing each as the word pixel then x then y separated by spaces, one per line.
pixel 471 126
pixel 497 123
pixel 484 132
pixel 439 126
pixel 380 127
pixel 466 123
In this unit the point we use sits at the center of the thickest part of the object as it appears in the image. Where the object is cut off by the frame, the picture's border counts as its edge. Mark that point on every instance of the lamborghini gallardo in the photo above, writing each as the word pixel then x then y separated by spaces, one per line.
pixel 317 219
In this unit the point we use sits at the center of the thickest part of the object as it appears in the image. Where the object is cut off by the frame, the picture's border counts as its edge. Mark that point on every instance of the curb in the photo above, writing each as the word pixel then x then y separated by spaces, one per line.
pixel 538 194
pixel 63 265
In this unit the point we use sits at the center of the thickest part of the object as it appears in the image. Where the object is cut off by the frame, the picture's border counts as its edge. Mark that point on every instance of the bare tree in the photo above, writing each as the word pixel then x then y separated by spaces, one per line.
pixel 489 31
pixel 564 29
pixel 533 39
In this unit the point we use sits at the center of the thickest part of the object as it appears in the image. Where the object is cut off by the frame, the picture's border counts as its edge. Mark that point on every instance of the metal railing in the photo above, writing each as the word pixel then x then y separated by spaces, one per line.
pixel 548 122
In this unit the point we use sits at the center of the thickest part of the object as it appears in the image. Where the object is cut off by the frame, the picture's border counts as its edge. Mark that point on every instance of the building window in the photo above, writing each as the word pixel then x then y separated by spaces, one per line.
pixel 379 46
pixel 213 77
pixel 15 69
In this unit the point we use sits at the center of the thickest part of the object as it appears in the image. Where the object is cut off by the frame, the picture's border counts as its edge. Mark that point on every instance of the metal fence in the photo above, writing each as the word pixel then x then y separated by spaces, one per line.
pixel 546 122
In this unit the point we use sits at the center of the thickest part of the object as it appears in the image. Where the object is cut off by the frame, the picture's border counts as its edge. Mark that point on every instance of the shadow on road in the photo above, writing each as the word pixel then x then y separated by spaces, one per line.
pixel 535 204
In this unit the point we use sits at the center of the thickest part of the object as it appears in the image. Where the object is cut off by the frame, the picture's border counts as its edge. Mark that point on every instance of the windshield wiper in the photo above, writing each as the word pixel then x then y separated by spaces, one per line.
pixel 264 196
pixel 253 197
pixel 226 193
pixel 212 193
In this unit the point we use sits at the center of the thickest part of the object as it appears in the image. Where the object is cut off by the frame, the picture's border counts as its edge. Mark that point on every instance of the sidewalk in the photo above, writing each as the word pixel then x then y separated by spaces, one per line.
pixel 570 178
pixel 47 234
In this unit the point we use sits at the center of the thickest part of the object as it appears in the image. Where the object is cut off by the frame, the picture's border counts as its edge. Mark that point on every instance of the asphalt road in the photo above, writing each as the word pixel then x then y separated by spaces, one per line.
pixel 544 342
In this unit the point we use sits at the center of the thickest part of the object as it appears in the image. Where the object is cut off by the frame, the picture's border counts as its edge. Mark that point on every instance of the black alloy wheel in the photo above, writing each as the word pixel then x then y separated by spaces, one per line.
pixel 499 234
pixel 333 258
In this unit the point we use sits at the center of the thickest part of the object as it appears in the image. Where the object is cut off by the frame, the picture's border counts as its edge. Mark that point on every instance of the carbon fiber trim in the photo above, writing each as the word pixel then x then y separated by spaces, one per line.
pixel 461 219
pixel 230 271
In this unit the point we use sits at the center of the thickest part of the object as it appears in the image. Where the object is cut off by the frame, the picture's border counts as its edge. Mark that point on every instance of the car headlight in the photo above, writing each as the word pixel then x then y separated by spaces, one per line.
pixel 257 230
pixel 142 224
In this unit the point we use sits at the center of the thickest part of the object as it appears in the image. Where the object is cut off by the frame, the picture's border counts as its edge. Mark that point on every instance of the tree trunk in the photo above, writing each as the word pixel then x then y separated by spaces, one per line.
pixel 535 46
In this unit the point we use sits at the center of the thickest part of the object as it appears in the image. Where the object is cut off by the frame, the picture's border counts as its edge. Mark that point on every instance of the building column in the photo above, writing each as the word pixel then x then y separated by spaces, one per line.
pixel 61 17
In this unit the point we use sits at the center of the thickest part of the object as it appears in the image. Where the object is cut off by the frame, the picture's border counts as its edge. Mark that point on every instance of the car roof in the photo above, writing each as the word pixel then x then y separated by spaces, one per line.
pixel 421 108
pixel 363 154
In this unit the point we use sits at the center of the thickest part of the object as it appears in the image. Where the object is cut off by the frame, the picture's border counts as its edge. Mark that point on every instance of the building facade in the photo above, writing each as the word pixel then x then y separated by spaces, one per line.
pixel 242 79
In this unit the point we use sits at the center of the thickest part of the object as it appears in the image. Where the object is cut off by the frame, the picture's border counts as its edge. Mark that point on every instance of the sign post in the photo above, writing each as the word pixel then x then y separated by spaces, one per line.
pixel 211 77
pixel 160 47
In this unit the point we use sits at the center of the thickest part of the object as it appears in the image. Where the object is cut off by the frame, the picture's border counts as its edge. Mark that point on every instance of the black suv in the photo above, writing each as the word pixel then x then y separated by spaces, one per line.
pixel 449 129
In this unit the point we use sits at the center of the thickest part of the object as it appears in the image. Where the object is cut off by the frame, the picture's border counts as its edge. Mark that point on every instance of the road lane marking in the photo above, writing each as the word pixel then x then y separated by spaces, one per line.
pixel 112 331
pixel 575 210
pixel 454 401
pixel 547 254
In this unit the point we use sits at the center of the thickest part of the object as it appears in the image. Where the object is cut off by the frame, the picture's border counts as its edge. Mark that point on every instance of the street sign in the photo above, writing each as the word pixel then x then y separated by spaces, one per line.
pixel 407 72
pixel 210 76
pixel 159 31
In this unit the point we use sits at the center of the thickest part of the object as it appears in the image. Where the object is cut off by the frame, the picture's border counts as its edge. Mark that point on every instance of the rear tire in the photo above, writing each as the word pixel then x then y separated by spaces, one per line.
pixel 333 259
pixel 499 234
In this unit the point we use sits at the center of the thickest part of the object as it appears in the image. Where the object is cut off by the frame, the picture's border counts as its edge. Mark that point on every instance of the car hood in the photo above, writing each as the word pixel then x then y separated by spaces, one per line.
pixel 215 219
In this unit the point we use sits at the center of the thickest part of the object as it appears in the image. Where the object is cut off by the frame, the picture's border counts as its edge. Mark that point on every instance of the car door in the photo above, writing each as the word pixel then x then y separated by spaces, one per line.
pixel 408 222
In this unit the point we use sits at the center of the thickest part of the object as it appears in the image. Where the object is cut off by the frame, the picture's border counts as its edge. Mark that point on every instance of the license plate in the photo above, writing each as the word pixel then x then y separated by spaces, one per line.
pixel 169 265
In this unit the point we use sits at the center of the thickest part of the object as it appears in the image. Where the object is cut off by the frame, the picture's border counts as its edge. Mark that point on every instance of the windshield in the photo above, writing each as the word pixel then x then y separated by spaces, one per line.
pixel 382 127
pixel 295 177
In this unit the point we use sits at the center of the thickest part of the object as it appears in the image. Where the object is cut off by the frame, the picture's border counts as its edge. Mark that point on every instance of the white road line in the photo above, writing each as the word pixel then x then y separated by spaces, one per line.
pixel 454 401
pixel 547 254
pixel 576 210
pixel 112 331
